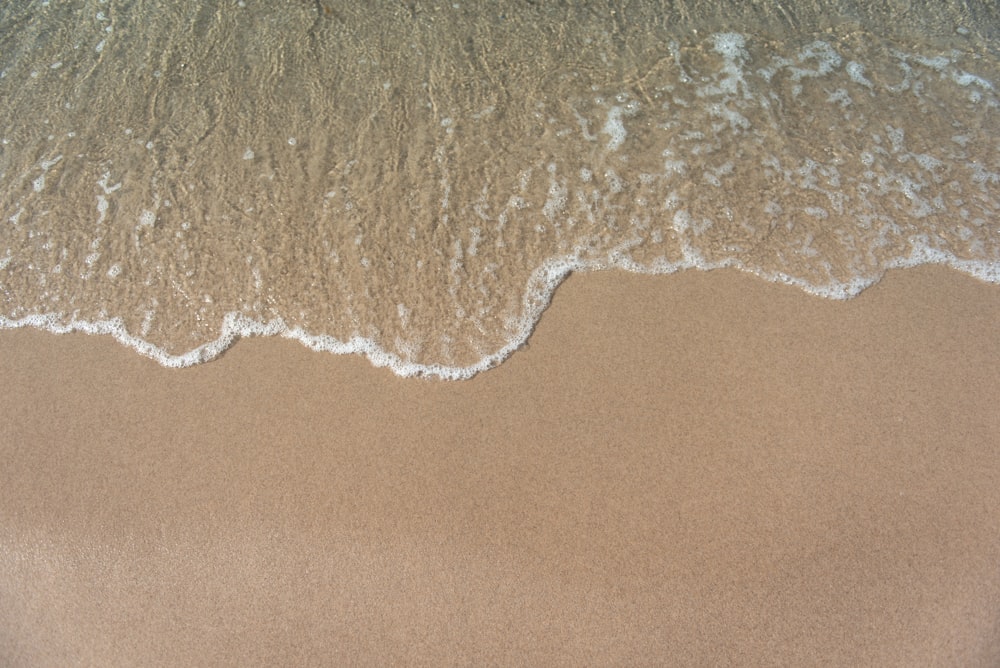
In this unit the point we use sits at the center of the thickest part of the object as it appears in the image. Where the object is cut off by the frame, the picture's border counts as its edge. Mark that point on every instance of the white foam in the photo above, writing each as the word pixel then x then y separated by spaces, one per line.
pixel 671 167
pixel 825 57
pixel 736 120
pixel 841 97
pixel 928 162
pixel 895 137
pixel 556 201
pixel 615 129
pixel 937 63
pixel 856 71
pixel 681 221
pixel 704 150
pixel 730 45
pixel 966 79
pixel 536 297
pixel 615 182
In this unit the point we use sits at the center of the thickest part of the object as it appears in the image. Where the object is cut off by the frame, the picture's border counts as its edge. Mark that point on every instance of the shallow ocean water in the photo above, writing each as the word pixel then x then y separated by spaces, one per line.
pixel 412 180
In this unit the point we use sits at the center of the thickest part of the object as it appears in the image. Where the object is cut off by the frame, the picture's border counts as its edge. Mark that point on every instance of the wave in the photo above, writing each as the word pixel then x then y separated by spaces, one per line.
pixel 542 286
pixel 379 189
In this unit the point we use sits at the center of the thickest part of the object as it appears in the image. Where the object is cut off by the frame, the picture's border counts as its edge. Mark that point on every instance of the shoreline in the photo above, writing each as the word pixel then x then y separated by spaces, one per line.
pixel 702 467
pixel 236 326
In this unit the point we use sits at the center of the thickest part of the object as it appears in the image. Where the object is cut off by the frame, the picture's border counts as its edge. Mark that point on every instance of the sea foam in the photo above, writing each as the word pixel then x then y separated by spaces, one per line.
pixel 426 224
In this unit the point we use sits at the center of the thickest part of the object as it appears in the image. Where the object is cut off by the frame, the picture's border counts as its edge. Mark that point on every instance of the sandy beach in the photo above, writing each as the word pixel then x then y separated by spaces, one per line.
pixel 698 469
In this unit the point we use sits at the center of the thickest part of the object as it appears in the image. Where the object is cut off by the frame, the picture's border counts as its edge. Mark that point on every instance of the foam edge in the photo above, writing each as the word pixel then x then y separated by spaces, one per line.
pixel 537 296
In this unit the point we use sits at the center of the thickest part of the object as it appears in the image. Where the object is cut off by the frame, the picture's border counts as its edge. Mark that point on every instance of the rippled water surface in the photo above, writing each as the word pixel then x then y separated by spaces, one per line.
pixel 411 180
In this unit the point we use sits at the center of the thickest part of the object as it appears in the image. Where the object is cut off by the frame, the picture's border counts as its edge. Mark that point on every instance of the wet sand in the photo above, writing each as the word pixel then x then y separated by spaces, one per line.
pixel 693 469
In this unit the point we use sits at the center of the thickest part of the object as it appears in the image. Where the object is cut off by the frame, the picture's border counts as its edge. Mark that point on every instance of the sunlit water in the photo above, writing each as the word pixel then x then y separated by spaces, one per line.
pixel 412 180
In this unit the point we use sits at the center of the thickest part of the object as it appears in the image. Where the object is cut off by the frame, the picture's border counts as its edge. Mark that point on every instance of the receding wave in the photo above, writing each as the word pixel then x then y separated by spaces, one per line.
pixel 412 182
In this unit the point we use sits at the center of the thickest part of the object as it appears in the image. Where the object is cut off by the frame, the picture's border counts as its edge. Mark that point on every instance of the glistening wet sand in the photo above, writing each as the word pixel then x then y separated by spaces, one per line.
pixel 693 469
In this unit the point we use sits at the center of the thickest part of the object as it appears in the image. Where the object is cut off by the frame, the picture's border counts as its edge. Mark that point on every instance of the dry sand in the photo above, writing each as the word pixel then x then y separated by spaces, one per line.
pixel 690 470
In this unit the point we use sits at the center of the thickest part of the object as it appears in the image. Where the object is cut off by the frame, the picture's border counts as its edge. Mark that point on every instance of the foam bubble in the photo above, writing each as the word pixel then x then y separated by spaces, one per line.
pixel 966 79
pixel 615 129
pixel 928 162
pixel 856 71
pixel 730 45
pixel 556 202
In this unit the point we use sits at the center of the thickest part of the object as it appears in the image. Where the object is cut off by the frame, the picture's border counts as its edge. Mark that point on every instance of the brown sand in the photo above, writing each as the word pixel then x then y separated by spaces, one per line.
pixel 694 469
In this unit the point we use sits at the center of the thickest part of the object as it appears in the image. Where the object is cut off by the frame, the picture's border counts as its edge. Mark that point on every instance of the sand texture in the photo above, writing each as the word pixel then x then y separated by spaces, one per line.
pixel 699 469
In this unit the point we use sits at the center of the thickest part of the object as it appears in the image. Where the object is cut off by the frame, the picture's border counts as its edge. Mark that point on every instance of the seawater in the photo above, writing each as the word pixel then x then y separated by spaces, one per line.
pixel 411 180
